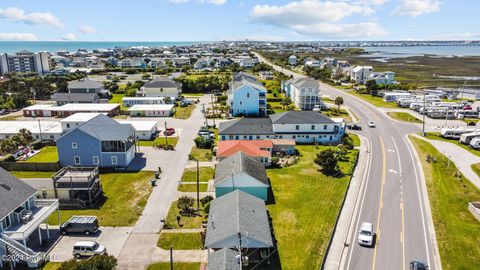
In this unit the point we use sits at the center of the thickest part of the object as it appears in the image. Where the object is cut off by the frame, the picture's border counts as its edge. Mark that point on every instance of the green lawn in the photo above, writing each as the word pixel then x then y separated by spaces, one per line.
pixel 469 120
pixel 10 118
pixel 306 207
pixel 25 174
pixel 176 266
pixel 200 154
pixel 160 141
pixel 192 187
pixel 184 112
pixel 335 113
pixel 374 100
pixel 458 232
pixel 405 117
pixel 355 138
pixel 47 154
pixel 436 136
pixel 52 266
pixel 126 195
pixel 185 222
pixel 117 98
pixel 476 168
pixel 193 94
pixel 180 241
pixel 190 174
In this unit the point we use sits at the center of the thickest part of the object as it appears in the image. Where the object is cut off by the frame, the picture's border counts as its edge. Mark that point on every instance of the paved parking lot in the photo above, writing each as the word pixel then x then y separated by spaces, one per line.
pixel 113 238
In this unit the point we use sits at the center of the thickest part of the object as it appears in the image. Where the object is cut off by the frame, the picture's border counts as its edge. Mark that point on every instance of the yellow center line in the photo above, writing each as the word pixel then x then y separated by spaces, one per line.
pixel 380 204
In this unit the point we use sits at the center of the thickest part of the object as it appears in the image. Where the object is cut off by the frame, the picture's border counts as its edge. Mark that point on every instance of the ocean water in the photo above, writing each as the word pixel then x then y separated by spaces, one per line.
pixel 11 47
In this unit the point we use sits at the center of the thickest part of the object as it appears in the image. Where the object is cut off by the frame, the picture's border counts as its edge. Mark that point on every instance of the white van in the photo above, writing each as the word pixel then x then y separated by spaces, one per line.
pixel 88 249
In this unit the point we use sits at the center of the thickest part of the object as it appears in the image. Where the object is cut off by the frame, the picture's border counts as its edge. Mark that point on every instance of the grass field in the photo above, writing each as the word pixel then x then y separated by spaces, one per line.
pixel 117 98
pixel 200 154
pixel 306 207
pixel 180 241
pixel 476 168
pixel 190 174
pixel 436 136
pixel 192 187
pixel 10 118
pixel 184 112
pixel 355 138
pixel 47 154
pixel 335 113
pixel 185 222
pixel 458 232
pixel 25 174
pixel 374 100
pixel 160 141
pixel 176 266
pixel 405 117
pixel 126 195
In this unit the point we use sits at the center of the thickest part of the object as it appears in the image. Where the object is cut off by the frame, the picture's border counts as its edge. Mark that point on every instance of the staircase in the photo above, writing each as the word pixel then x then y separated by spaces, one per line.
pixel 18 253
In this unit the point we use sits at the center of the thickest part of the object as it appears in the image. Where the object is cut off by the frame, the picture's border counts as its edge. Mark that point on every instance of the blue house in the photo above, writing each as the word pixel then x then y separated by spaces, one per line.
pixel 247 96
pixel 241 172
pixel 101 142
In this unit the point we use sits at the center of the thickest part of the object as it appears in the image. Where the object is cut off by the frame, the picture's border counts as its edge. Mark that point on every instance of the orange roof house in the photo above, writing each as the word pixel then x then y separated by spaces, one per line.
pixel 253 148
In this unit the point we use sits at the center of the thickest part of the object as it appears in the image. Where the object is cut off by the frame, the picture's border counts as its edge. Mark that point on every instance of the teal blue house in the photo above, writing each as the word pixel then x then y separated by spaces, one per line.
pixel 241 172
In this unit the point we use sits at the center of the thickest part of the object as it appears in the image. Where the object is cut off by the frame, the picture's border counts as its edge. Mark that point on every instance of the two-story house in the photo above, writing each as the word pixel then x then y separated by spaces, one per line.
pixel 21 215
pixel 300 126
pixel 247 96
pixel 85 86
pixel 161 87
pixel 101 141
pixel 304 93
pixel 361 74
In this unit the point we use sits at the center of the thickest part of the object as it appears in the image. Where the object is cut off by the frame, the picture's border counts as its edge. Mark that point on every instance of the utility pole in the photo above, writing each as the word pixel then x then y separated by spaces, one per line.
pixel 213 107
pixel 446 116
pixel 198 185
pixel 171 258
pixel 40 129
pixel 424 113
pixel 240 248
pixel 165 132
pixel 204 114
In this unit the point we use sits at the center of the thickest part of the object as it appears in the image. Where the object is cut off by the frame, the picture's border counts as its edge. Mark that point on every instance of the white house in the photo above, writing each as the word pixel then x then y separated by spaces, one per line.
pixel 130 101
pixel 160 110
pixel 292 60
pixel 144 130
pixel 304 92
pixel 161 87
pixel 361 74
pixel 247 96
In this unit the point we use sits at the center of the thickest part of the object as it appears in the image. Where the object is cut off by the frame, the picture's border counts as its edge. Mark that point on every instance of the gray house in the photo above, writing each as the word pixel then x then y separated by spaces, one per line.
pixel 65 98
pixel 21 215
pixel 83 86
pixel 101 142
pixel 223 259
pixel 241 172
pixel 238 219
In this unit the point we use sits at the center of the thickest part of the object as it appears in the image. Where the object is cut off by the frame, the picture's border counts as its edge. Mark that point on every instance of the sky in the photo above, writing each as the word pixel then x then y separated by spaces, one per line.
pixel 213 20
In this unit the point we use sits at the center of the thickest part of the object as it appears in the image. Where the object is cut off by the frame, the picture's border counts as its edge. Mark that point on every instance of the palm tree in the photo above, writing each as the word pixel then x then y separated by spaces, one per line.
pixel 339 102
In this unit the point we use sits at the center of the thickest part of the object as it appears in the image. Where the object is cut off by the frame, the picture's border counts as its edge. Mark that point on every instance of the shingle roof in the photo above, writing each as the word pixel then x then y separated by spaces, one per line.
pixel 74 97
pixel 250 147
pixel 105 128
pixel 240 162
pixel 161 82
pixel 13 192
pixel 239 76
pixel 84 84
pixel 306 82
pixel 238 214
pixel 300 117
pixel 223 259
pixel 246 126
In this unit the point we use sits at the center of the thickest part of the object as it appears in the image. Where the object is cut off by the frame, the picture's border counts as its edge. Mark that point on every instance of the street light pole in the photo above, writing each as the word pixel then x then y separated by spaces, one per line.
pixel 424 113
pixel 198 185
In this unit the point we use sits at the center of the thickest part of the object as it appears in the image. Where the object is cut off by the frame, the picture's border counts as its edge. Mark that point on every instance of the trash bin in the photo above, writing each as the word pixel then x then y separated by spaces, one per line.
pixel 157 175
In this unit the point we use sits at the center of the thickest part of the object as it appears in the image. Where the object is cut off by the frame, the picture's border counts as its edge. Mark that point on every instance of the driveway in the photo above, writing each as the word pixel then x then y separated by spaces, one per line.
pixel 113 238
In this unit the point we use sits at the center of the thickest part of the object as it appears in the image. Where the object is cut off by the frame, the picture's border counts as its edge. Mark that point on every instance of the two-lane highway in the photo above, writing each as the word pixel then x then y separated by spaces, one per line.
pixel 393 197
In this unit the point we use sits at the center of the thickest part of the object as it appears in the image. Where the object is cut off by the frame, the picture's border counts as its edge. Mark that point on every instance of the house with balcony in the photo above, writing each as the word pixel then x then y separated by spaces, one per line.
pixel 99 142
pixel 21 215
pixel 361 74
pixel 161 87
pixel 304 93
pixel 247 96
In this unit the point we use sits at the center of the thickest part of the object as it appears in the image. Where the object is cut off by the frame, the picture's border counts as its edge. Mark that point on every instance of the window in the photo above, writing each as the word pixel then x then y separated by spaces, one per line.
pixel 76 160
pixel 324 126
pixel 51 137
pixel 244 137
pixel 308 136
pixel 240 103
pixel 313 127
pixel 68 125
pixel 248 95
pixel 237 137
pixel 44 194
pixel 114 160
pixel 258 137
pixel 74 145
pixel 297 127
pixel 223 138
pixel 95 160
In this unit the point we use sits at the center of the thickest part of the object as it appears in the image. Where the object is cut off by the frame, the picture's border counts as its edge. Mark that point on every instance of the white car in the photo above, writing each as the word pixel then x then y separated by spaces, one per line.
pixel 371 124
pixel 366 234
pixel 88 249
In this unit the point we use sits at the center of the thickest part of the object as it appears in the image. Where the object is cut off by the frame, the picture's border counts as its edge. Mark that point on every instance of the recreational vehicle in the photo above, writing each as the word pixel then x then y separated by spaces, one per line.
pixel 466 138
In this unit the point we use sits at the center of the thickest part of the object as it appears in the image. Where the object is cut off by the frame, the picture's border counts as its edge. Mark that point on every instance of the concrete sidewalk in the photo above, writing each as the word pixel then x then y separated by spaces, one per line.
pixel 344 229
pixel 461 157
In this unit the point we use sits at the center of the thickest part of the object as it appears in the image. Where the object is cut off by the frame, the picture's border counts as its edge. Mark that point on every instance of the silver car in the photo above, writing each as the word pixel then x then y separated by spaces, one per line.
pixel 88 249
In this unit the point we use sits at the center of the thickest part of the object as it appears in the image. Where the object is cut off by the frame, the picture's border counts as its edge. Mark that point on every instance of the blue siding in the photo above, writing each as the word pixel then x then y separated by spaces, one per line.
pixel 246 101
pixel 259 192
pixel 87 147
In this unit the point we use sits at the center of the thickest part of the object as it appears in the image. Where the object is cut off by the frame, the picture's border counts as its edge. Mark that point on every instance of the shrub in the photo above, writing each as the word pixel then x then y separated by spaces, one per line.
pixel 206 200
pixel 185 204
pixel 103 262
pixel 275 161
pixel 327 159
pixel 348 142
pixel 203 143
pixel 206 207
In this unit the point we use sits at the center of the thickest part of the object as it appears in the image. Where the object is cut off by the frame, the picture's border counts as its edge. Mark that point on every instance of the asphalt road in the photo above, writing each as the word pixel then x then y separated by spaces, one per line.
pixel 393 198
